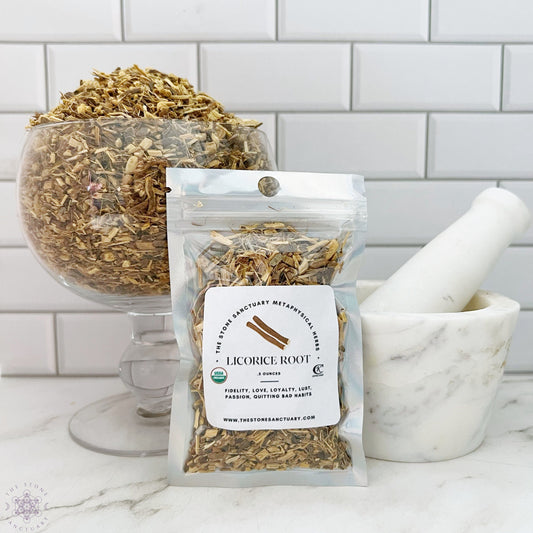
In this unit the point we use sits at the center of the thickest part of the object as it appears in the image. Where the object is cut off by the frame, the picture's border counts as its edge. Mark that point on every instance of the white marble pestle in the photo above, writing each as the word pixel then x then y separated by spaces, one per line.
pixel 445 274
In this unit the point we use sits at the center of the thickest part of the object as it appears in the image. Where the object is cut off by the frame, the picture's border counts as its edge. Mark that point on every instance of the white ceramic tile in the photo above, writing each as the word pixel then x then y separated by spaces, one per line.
pixel 10 231
pixel 160 20
pixel 268 126
pixel 482 20
pixel 27 344
pixel 372 20
pixel 481 145
pixel 523 189
pixel 382 262
pixel 23 86
pixel 421 76
pixel 91 343
pixel 518 78
pixel 12 135
pixel 383 145
pixel 521 353
pixel 61 20
pixel 277 77
pixel 69 63
pixel 26 286
pixel 513 275
pixel 415 212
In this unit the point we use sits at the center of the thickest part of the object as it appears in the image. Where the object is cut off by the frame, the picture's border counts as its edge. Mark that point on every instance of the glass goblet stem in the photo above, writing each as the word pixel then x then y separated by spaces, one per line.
pixel 149 364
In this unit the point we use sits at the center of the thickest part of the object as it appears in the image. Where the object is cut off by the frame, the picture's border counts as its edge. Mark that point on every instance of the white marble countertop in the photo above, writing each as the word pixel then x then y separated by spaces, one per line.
pixel 489 490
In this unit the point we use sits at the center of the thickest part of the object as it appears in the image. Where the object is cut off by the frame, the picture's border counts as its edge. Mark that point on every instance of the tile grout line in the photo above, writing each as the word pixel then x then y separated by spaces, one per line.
pixel 56 344
pixel 278 143
pixel 271 42
pixel 376 111
pixel 430 9
pixel 426 161
pixel 502 74
pixel 313 111
pixel 352 83
pixel 59 311
pixel 198 68
pixel 380 111
pixel 276 23
pixel 275 147
pixel 46 77
pixel 122 21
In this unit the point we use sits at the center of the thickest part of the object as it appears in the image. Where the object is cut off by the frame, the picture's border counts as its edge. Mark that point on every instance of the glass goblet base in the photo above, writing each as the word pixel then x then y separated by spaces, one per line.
pixel 113 426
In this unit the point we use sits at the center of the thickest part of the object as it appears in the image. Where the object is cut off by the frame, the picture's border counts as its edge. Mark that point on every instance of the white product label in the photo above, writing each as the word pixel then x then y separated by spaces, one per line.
pixel 270 357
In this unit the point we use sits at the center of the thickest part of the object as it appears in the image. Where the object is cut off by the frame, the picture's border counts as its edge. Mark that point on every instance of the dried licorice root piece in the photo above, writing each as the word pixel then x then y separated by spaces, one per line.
pixel 264 254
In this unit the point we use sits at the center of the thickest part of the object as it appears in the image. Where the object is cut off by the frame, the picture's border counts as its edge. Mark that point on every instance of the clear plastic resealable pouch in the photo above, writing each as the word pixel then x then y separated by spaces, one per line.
pixel 263 269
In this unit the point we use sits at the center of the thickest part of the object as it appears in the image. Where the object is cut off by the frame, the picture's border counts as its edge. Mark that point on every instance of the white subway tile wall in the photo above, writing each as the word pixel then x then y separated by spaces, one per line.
pixel 419 76
pixel 59 20
pixel 91 343
pixel 521 343
pixel 23 70
pixel 12 134
pixel 435 203
pixel 379 262
pixel 518 78
pixel 482 20
pixel 203 20
pixel 377 145
pixel 269 77
pixel 24 285
pixel 524 189
pixel 480 145
pixel 27 344
pixel 10 229
pixel 430 100
pixel 360 20
pixel 513 275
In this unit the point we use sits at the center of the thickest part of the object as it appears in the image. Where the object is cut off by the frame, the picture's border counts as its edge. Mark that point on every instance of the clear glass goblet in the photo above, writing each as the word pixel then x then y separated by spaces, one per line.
pixel 92 201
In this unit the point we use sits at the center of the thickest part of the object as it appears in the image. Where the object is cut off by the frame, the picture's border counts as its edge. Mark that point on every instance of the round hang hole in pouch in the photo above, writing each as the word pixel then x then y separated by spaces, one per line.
pixel 268 186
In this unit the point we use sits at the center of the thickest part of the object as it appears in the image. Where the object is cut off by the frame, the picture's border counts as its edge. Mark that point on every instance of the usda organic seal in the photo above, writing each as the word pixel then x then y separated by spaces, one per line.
pixel 219 375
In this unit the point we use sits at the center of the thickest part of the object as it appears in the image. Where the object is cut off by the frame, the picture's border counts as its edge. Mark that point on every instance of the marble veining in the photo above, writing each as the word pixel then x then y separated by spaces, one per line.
pixel 487 491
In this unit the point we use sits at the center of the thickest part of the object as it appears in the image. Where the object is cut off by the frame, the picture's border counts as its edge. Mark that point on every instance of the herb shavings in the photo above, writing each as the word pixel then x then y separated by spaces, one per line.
pixel 92 181
pixel 264 254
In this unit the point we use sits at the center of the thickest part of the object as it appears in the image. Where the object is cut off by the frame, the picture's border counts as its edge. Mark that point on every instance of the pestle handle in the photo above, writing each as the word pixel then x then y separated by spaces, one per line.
pixel 445 274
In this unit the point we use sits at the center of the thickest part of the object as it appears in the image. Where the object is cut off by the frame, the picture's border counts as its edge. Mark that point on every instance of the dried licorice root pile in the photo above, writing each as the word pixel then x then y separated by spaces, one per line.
pixel 138 93
pixel 93 191
pixel 267 254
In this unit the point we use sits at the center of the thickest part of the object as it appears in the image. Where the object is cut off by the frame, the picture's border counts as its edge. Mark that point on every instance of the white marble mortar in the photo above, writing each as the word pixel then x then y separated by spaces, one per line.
pixel 431 378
